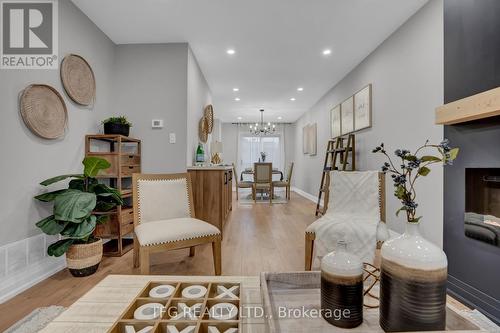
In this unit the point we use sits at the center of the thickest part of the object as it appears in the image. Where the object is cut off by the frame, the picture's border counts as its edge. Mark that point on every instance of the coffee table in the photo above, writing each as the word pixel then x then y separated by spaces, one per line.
pixel 98 309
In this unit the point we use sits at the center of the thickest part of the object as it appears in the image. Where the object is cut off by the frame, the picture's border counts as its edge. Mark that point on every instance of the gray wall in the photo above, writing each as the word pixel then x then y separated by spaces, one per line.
pixel 230 143
pixel 198 96
pixel 472 65
pixel 142 82
pixel 27 159
pixel 150 82
pixel 406 72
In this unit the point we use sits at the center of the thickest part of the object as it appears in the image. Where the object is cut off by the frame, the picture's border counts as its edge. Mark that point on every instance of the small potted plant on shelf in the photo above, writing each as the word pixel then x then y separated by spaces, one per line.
pixel 75 219
pixel 117 125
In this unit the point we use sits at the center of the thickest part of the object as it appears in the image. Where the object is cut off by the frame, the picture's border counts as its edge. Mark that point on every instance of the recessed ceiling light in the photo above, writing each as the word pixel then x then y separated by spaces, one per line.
pixel 292 99
pixel 239 118
pixel 327 52
pixel 280 117
pixel 236 89
pixel 300 89
pixel 237 99
pixel 231 51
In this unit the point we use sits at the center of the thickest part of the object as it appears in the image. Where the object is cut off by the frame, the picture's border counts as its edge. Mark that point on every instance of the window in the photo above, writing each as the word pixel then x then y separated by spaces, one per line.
pixel 252 146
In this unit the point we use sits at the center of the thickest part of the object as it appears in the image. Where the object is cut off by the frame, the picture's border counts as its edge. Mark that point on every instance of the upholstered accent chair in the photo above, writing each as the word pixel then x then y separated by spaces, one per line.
pixel 354 207
pixel 263 179
pixel 164 219
pixel 240 184
pixel 285 183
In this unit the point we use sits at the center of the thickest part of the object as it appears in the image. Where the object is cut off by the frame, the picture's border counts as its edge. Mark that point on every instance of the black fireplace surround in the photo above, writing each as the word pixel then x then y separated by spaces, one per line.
pixel 471 66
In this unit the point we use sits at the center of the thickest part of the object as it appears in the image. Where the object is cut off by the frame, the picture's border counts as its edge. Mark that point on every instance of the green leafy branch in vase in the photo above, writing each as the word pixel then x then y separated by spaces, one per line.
pixel 413 166
pixel 73 212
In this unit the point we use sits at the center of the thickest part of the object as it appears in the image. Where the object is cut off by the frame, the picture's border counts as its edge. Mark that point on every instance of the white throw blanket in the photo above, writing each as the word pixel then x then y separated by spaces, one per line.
pixel 353 215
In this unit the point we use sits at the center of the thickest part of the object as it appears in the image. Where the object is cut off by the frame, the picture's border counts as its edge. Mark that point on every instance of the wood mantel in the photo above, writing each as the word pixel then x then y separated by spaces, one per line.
pixel 482 105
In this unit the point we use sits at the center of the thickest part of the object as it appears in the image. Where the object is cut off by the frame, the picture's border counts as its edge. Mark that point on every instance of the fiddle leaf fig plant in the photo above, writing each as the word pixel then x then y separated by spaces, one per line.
pixel 409 167
pixel 74 208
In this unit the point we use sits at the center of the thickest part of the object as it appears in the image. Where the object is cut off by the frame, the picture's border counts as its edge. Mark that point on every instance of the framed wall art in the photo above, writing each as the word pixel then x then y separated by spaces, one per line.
pixel 347 115
pixel 305 139
pixel 363 108
pixel 335 123
pixel 312 139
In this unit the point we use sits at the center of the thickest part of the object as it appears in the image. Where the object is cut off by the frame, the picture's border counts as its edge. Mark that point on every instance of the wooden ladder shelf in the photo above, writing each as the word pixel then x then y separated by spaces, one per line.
pixel 339 156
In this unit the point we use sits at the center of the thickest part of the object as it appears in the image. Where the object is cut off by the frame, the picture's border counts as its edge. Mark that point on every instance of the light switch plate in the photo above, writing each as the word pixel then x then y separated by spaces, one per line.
pixel 172 137
pixel 157 123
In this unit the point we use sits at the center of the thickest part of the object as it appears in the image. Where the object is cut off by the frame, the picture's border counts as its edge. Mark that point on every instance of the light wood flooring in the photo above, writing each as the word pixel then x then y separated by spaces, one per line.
pixel 257 237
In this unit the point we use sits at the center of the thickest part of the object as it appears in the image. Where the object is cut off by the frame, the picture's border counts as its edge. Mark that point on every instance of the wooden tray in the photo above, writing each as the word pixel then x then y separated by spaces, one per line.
pixel 201 323
pixel 291 292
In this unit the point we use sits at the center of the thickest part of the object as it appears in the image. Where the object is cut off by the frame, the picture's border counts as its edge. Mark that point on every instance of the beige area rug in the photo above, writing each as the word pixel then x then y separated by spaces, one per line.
pixel 245 196
pixel 36 320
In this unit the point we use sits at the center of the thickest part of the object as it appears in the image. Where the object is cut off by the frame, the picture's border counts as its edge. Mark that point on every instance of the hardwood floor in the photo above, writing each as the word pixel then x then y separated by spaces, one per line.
pixel 257 237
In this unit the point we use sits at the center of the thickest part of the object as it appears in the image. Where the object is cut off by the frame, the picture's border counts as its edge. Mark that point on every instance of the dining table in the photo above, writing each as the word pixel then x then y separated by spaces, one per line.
pixel 250 172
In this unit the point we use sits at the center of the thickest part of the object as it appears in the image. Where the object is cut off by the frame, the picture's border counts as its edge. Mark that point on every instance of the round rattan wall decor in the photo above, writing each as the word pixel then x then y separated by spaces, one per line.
pixel 209 114
pixel 78 79
pixel 203 129
pixel 43 111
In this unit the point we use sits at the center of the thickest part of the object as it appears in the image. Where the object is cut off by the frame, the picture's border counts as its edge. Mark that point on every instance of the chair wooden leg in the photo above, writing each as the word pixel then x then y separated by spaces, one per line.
pixel 237 194
pixel 192 251
pixel 144 254
pixel 271 193
pixel 136 252
pixel 309 250
pixel 216 250
pixel 254 194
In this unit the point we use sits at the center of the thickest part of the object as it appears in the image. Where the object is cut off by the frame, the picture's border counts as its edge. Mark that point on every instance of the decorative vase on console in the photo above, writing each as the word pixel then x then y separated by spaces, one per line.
pixel 413 270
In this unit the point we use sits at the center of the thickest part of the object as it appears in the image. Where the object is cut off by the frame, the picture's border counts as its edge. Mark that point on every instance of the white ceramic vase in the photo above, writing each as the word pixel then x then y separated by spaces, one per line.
pixel 412 283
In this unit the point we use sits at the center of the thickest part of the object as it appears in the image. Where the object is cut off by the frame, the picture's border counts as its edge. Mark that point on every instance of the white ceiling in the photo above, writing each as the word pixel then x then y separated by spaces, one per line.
pixel 278 44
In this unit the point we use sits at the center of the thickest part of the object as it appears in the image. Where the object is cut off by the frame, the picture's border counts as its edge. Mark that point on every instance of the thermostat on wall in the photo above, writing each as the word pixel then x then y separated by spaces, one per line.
pixel 157 123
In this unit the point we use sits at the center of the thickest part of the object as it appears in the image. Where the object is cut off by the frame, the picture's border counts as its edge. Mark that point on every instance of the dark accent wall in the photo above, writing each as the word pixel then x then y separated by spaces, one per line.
pixel 471 65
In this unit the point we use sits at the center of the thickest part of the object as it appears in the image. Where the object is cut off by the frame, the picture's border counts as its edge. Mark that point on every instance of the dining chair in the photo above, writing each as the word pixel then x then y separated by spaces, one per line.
pixel 240 184
pixel 285 183
pixel 263 179
pixel 164 219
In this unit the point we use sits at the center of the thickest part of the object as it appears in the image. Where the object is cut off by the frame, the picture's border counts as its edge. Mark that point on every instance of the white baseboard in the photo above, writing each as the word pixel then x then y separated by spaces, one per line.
pixel 305 194
pixel 25 263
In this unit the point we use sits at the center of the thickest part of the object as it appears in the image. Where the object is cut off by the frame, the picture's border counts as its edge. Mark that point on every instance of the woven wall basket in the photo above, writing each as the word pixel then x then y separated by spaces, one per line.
pixel 208 113
pixel 203 129
pixel 43 111
pixel 78 79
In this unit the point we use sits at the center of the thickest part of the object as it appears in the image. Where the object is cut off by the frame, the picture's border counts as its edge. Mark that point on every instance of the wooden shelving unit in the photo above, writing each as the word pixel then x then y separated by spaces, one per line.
pixel 124 154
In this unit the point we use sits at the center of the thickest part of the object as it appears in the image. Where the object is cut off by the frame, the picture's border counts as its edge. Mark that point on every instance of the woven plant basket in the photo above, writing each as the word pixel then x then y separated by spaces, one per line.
pixel 84 259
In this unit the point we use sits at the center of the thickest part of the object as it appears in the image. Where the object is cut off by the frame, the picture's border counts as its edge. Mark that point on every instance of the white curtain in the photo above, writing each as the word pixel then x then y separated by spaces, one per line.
pixel 250 146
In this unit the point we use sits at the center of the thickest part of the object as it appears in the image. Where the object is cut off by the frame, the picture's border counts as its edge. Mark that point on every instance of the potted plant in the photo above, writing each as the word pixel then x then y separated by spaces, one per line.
pixel 413 271
pixel 74 216
pixel 117 125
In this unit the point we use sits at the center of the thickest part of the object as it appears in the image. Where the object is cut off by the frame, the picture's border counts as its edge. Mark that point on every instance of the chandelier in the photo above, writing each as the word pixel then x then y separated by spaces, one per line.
pixel 262 128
